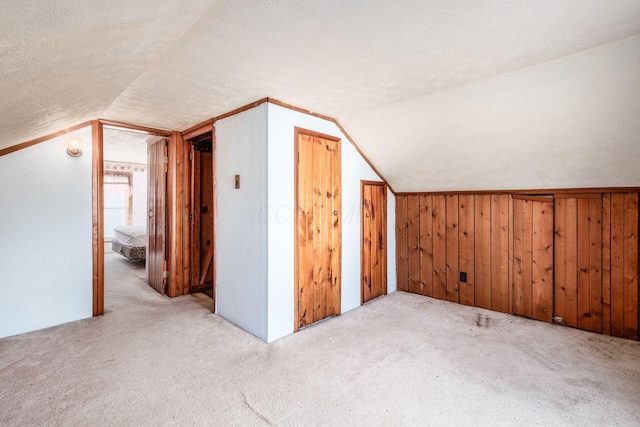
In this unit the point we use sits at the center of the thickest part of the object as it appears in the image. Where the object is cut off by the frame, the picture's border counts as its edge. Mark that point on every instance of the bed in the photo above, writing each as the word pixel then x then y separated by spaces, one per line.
pixel 130 241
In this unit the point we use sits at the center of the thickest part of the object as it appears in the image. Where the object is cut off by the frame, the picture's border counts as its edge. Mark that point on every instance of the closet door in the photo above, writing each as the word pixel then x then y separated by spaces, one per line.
pixel 578 261
pixel 318 228
pixel 533 257
pixel 373 268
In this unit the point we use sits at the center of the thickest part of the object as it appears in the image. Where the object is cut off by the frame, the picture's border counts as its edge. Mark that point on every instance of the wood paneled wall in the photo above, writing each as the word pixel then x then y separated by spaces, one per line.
pixel 585 244
pixel 620 264
pixel 438 236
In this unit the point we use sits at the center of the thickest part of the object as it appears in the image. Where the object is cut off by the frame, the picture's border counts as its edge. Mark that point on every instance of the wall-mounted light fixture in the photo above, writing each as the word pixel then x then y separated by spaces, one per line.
pixel 74 149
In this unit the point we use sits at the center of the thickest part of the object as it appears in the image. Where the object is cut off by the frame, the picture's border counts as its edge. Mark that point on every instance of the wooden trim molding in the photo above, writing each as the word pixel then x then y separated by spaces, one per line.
pixel 342 129
pixel 196 130
pixel 119 125
pixel 544 199
pixel 215 220
pixel 33 142
pixel 597 195
pixel 556 192
pixel 98 220
pixel 241 109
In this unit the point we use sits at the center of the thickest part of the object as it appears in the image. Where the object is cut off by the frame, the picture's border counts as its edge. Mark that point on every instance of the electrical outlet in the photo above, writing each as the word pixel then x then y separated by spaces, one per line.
pixel 463 277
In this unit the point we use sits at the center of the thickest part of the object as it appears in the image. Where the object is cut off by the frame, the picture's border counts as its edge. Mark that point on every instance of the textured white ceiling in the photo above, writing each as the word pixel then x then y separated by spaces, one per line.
pixel 171 64
pixel 125 146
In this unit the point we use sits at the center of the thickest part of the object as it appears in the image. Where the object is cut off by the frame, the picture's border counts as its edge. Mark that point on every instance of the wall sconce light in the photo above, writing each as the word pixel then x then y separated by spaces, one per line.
pixel 74 149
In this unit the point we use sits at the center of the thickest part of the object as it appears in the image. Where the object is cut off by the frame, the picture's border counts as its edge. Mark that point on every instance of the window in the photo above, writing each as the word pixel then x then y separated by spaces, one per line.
pixel 117 201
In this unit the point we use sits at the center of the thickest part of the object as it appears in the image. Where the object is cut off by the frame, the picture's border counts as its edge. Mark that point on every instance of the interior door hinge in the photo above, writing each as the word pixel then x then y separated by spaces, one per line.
pixel 190 217
pixel 191 155
pixel 166 160
pixel 165 274
pixel 190 280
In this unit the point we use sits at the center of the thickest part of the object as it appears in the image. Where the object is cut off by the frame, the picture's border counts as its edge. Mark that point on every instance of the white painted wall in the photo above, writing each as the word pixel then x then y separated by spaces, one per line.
pixel 280 217
pixel 139 216
pixel 392 281
pixel 241 239
pixel 45 236
pixel 572 122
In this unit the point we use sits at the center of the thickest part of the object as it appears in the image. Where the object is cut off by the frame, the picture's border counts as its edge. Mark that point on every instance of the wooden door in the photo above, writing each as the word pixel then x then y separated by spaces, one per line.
pixel 373 262
pixel 578 261
pixel 533 257
pixel 156 205
pixel 318 227
pixel 202 214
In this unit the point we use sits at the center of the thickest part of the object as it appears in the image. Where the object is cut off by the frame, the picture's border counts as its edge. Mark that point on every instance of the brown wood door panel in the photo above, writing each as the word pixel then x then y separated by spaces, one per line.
pixel 156 205
pixel 318 227
pixel 402 243
pixel 374 241
pixel 578 260
pixel 533 259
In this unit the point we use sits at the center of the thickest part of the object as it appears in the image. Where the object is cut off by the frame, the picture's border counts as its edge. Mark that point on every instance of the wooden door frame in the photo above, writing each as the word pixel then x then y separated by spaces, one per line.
pixel 188 134
pixel 296 133
pixel 362 185
pixel 97 197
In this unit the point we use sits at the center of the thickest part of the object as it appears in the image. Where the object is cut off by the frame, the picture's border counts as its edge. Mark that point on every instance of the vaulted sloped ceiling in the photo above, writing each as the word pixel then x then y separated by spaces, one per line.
pixel 426 87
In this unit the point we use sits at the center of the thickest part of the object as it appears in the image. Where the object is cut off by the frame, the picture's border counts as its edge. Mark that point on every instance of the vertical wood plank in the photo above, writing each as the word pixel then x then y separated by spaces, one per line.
pixel 402 243
pixel 334 212
pixel 536 265
pixel 510 250
pixel 617 264
pixel 571 264
pixel 413 215
pixel 318 177
pixel 542 262
pixel 545 305
pixel 518 255
pixel 380 217
pixel 482 251
pixel 595 265
pixel 500 253
pixel 583 264
pixel 426 245
pixel 439 247
pixel 559 258
pixel 630 290
pixel 606 263
pixel 466 248
pixel 97 201
pixel 367 245
pixel 305 233
pixel 453 272
pixel 527 258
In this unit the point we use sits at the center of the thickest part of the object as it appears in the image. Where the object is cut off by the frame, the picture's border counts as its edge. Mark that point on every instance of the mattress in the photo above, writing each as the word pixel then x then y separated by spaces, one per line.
pixel 130 241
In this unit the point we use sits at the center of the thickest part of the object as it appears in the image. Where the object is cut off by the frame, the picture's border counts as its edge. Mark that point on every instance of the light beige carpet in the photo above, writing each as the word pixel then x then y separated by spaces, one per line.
pixel 400 360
